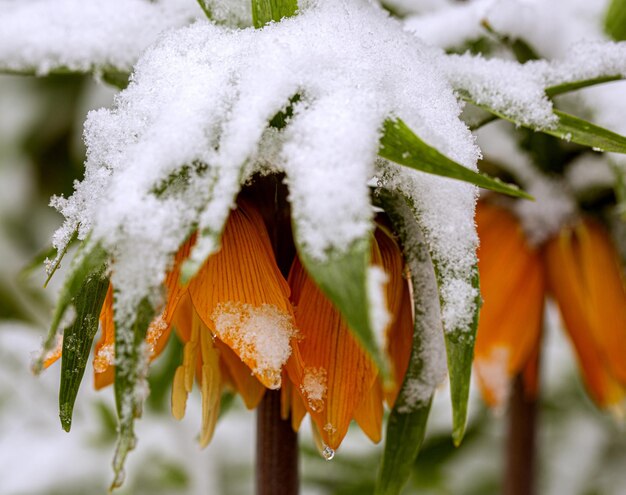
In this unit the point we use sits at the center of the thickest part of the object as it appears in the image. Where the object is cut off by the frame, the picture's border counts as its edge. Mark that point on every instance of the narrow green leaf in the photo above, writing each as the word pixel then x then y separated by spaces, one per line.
pixel 77 341
pixel 460 352
pixel 406 426
pixel 89 259
pixel 615 20
pixel 571 128
pixel 559 89
pixel 130 367
pixel 399 144
pixel 459 341
pixel 204 5
pixel 576 130
pixel 405 435
pixel 59 258
pixel 342 277
pixel 266 11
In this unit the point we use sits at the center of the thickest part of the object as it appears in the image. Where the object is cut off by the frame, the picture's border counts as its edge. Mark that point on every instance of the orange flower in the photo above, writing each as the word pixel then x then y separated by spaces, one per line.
pixel 581 269
pixel 237 320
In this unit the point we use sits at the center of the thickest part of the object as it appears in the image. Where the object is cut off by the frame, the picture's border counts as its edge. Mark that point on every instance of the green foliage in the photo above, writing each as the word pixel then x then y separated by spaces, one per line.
pixel 399 144
pixel 89 261
pixel 615 20
pixel 460 351
pixel 266 11
pixel 77 341
pixel 129 373
pixel 406 426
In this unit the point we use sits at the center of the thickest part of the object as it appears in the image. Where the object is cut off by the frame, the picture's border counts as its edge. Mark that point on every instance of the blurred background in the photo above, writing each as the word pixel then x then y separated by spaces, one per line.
pixel 581 450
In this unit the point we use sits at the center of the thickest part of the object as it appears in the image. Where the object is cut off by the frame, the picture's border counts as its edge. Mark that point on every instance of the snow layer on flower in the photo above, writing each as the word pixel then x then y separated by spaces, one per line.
pixel 172 153
pixel 81 35
pixel 314 387
pixel 261 335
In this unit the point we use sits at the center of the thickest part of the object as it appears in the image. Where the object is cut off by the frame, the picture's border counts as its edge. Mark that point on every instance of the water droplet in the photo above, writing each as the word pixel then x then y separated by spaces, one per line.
pixel 328 453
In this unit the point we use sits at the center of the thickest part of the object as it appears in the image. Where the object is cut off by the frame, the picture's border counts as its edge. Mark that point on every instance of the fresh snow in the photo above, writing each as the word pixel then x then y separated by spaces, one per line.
pixel 41 36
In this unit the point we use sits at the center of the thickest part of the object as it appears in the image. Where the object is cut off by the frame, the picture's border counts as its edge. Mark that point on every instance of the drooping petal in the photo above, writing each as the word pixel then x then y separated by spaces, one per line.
pixel 210 385
pixel 566 281
pixel 399 333
pixel 239 295
pixel 369 414
pixel 337 372
pixel 105 348
pixel 399 345
pixel 158 332
pixel 248 386
pixel 605 292
pixel 512 286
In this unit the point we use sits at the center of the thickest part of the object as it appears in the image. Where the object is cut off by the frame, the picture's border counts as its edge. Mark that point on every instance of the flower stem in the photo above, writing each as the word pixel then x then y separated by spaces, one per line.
pixel 276 450
pixel 520 451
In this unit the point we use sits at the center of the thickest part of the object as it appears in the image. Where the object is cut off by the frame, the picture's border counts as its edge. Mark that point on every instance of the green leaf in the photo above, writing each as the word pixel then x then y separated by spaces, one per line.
pixel 559 89
pixel 460 352
pixel 342 277
pixel 576 130
pixel 405 435
pixel 266 11
pixel 459 341
pixel 615 20
pixel 571 128
pixel 77 341
pixel 130 368
pixel 406 426
pixel 399 144
pixel 89 259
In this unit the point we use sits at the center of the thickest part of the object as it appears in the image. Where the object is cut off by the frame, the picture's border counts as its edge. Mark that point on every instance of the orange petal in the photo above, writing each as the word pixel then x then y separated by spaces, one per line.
pixel 240 296
pixel 566 280
pixel 54 354
pixel 369 414
pixel 337 371
pixel 158 332
pixel 105 348
pixel 512 284
pixel 605 292
pixel 248 386
pixel 399 344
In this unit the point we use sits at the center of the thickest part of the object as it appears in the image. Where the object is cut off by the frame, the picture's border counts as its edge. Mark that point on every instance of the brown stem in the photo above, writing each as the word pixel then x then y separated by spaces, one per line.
pixel 276 450
pixel 520 451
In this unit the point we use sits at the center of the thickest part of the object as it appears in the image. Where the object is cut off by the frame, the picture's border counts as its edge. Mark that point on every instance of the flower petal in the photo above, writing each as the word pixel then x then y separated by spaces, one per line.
pixel 239 295
pixel 566 280
pixel 369 414
pixel 513 286
pixel 105 348
pixel 337 371
pixel 605 291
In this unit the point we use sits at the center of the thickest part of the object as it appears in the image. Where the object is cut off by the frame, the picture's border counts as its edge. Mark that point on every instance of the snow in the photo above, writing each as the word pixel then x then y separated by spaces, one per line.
pixel 261 335
pixel 196 113
pixel 451 27
pixel 380 317
pixel 76 35
pixel 314 388
pixel 445 211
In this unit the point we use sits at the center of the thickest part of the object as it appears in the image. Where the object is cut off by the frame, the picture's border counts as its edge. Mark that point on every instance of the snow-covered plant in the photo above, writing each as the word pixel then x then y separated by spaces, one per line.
pixel 362 133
